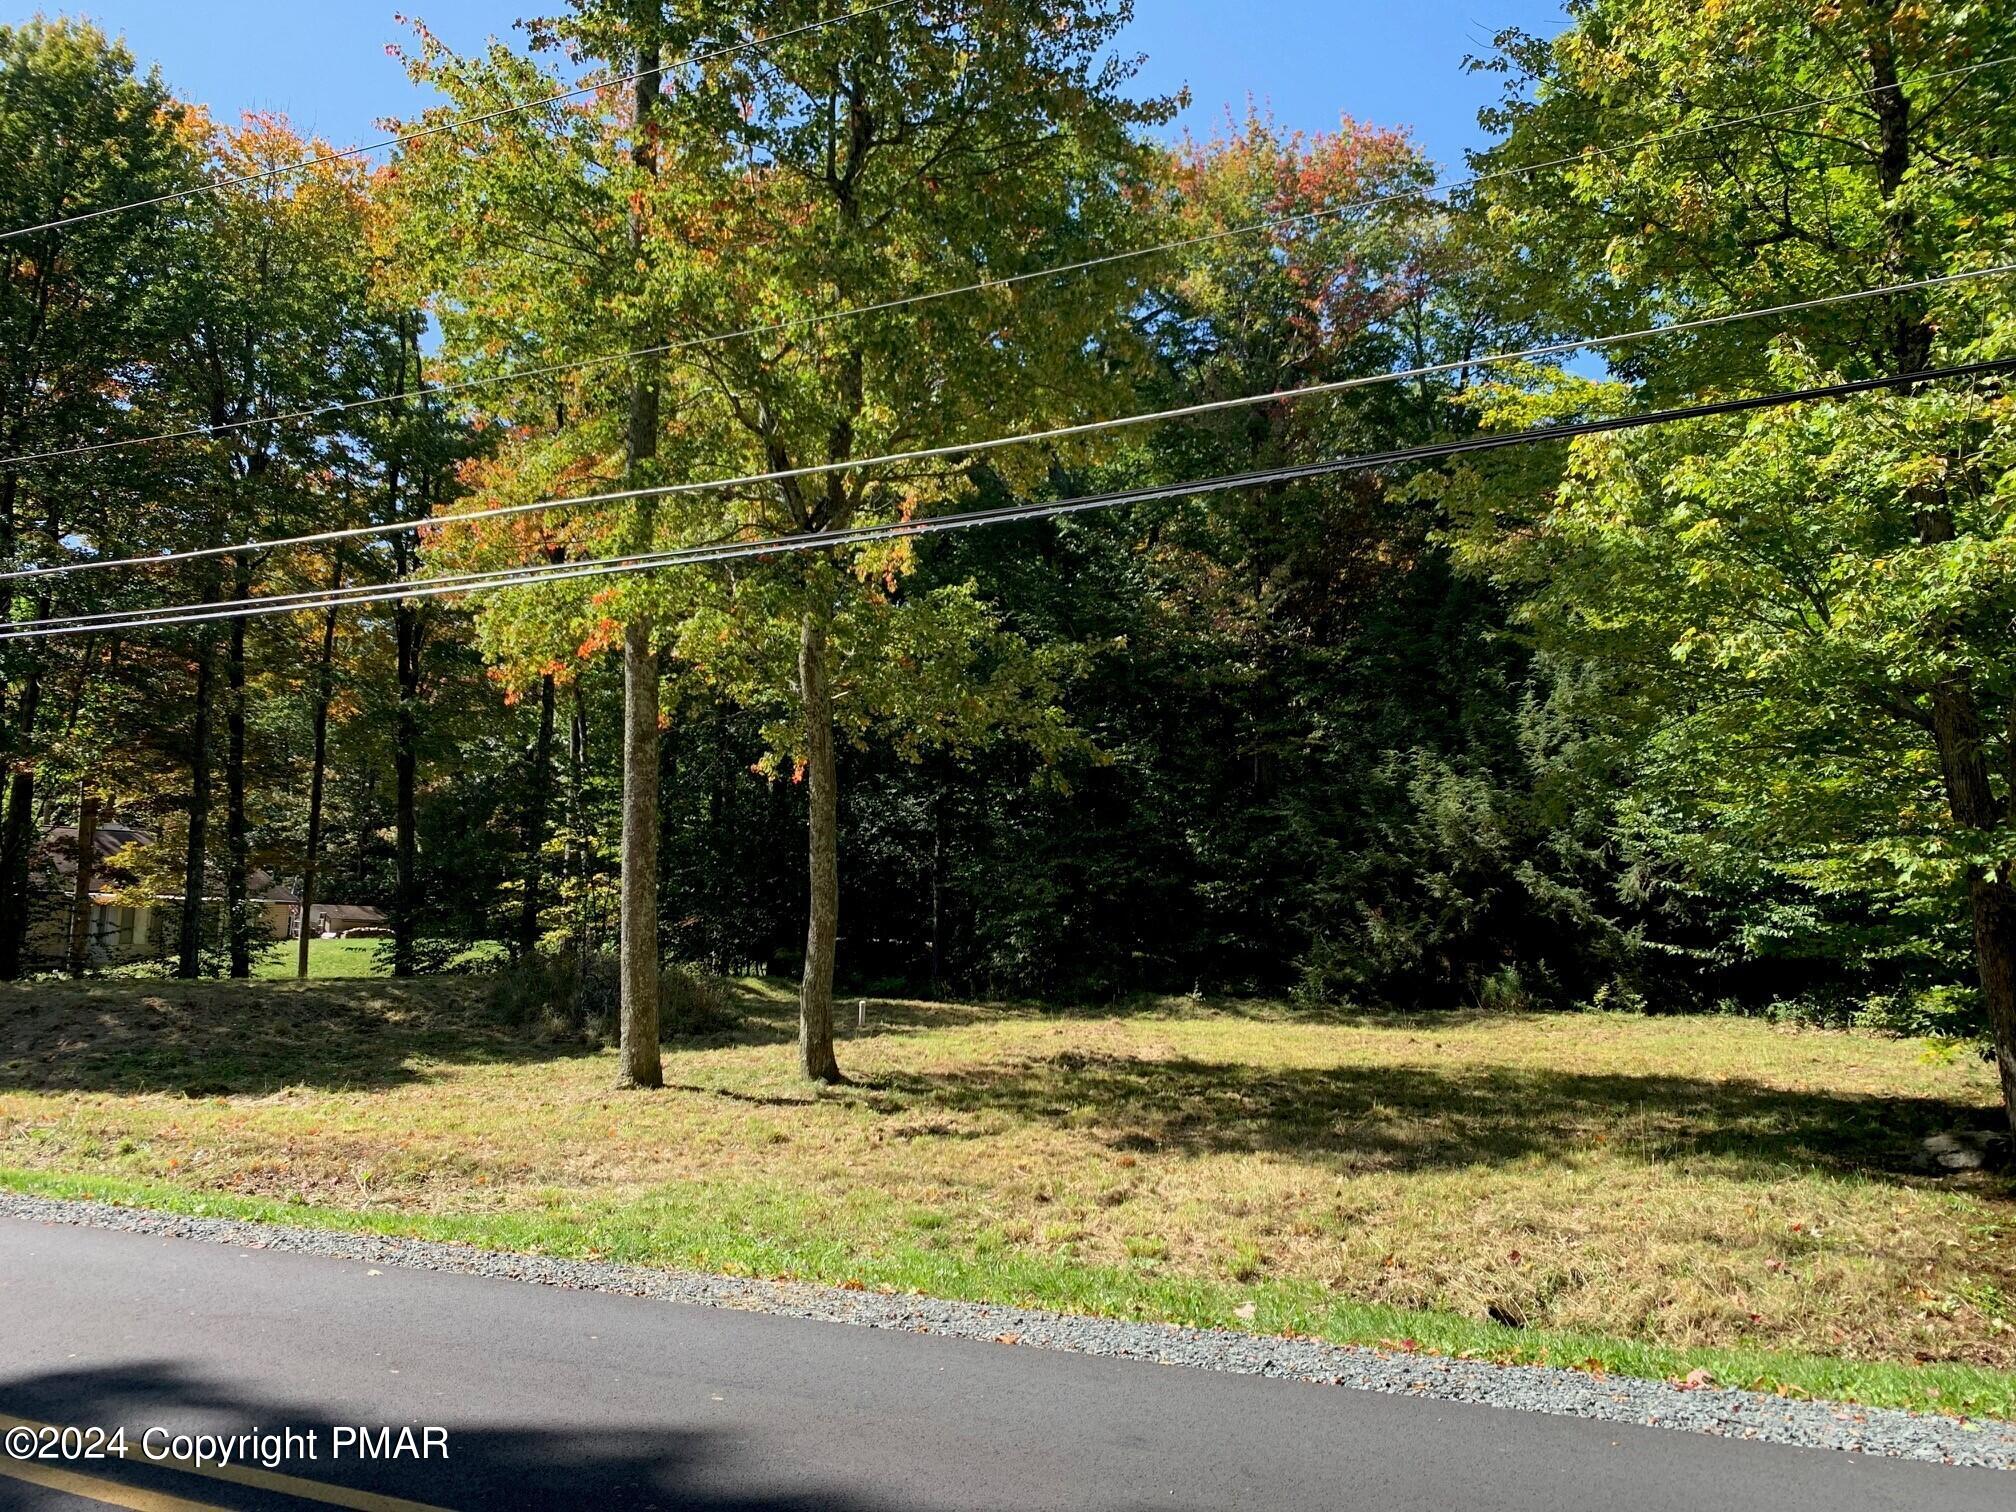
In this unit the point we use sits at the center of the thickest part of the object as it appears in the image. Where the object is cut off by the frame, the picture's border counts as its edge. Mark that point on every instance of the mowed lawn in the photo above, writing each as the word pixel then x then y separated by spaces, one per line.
pixel 326 959
pixel 1643 1195
pixel 343 959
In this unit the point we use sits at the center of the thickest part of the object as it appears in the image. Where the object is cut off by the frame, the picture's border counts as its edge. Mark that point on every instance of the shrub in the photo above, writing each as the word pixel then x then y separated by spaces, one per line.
pixel 693 1000
pixel 575 995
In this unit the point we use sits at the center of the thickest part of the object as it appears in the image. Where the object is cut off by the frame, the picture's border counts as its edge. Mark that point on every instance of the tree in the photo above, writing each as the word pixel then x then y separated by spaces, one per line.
pixel 80 130
pixel 871 160
pixel 530 204
pixel 852 166
pixel 1803 601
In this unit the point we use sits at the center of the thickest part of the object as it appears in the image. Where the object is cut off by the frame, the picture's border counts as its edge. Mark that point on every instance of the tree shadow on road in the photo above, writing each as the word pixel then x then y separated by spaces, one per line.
pixel 487 1465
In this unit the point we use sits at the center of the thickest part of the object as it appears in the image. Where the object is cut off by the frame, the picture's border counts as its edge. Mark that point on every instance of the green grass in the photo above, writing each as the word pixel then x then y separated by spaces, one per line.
pixel 337 960
pixel 349 960
pixel 682 1235
pixel 1649 1196
pixel 327 959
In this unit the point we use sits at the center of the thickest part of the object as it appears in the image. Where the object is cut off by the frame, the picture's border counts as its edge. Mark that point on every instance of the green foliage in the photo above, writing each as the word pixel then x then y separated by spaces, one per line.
pixel 1803 613
pixel 573 996
pixel 1638 725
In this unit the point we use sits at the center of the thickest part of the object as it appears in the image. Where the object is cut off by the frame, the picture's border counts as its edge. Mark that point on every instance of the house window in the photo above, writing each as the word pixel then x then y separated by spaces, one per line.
pixel 129 920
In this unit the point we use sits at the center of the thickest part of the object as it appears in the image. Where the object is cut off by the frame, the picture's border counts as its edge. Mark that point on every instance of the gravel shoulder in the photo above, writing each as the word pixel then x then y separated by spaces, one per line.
pixel 1712 1410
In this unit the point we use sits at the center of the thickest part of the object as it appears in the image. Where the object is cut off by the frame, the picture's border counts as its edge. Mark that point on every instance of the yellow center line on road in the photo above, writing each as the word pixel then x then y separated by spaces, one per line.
pixel 237 1475
pixel 90 1488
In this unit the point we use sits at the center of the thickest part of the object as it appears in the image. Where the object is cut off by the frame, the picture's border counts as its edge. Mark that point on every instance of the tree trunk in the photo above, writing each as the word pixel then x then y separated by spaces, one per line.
pixel 87 867
pixel 1957 729
pixel 1994 903
pixel 539 799
pixel 405 776
pixel 13 921
pixel 237 835
pixel 1970 795
pixel 638 1029
pixel 638 928
pixel 815 993
pixel 407 631
pixel 324 691
pixel 189 955
pixel 10 535
pixel 1911 334
pixel 17 831
pixel 938 889
pixel 578 851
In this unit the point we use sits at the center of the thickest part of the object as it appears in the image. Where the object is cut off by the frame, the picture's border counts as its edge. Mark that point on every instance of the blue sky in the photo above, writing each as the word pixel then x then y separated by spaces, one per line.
pixel 323 62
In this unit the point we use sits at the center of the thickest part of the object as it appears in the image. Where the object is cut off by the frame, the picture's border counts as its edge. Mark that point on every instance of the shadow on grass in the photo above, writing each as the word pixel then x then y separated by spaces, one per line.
pixel 212 1039
pixel 487 1465
pixel 1407 1118
pixel 253 1038
pixel 225 1038
pixel 768 1016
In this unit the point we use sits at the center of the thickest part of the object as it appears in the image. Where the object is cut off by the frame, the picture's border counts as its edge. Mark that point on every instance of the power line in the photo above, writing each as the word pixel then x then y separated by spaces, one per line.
pixel 445 128
pixel 1065 432
pixel 966 520
pixel 809 322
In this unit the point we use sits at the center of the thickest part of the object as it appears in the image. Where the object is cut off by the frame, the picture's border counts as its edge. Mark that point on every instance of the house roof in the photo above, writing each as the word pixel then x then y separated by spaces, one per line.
pixel 346 915
pixel 111 837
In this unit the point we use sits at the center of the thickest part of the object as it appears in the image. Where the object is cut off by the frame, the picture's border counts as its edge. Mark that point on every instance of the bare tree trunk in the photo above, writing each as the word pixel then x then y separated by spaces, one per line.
pixel 405 776
pixel 87 867
pixel 17 830
pixel 815 993
pixel 938 889
pixel 324 691
pixel 237 835
pixel 1994 903
pixel 407 634
pixel 539 800
pixel 578 853
pixel 189 957
pixel 1958 733
pixel 642 1066
pixel 638 929
pixel 10 535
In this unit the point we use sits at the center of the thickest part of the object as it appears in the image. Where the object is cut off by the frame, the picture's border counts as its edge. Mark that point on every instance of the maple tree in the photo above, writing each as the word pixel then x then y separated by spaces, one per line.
pixel 822 171
pixel 1807 608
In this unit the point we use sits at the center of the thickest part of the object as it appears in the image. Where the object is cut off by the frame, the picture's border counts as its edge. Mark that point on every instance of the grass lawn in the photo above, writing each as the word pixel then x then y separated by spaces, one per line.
pixel 326 959
pixel 347 960
pixel 1641 1195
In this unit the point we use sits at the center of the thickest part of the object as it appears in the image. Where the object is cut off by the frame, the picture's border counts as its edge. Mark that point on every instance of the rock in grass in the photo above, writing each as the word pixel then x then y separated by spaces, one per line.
pixel 1963 1150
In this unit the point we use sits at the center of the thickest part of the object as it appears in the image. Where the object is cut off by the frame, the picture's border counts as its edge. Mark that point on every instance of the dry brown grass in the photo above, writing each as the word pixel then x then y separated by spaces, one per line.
pixel 1681 1181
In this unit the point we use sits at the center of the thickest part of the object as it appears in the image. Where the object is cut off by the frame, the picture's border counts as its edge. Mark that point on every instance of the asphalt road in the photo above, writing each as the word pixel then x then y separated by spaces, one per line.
pixel 554 1398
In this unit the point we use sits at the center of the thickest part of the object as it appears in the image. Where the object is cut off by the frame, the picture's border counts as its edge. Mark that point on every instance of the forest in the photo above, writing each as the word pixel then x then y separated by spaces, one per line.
pixel 1715 716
